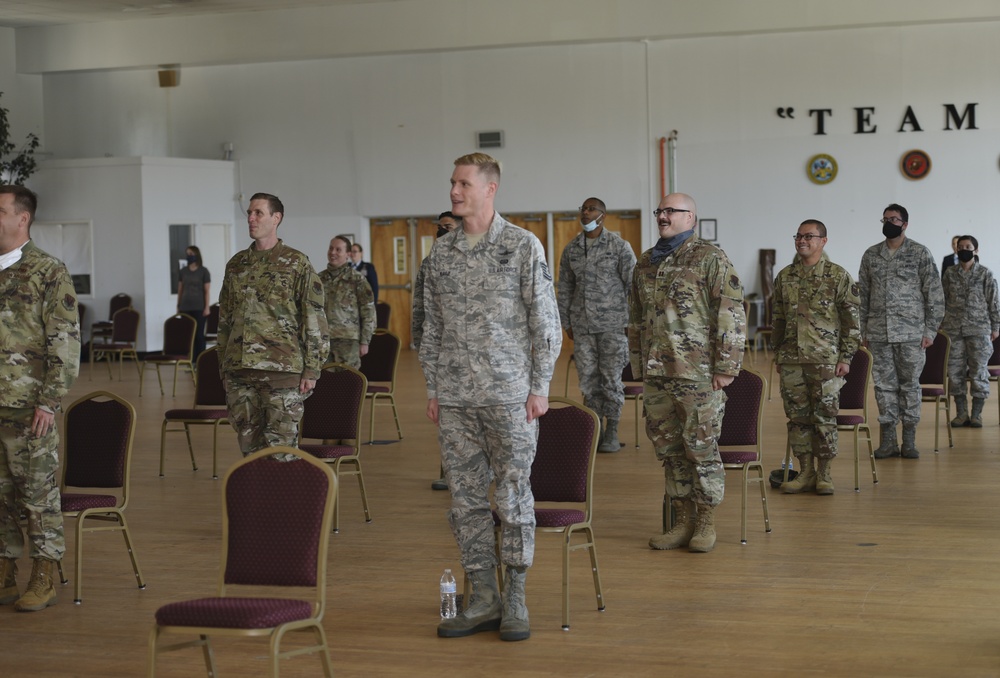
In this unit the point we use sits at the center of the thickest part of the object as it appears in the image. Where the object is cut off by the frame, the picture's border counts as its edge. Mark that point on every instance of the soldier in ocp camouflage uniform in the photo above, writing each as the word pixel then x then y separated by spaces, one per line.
pixel 816 334
pixel 902 304
pixel 350 306
pixel 595 273
pixel 686 334
pixel 39 360
pixel 972 321
pixel 272 332
pixel 490 342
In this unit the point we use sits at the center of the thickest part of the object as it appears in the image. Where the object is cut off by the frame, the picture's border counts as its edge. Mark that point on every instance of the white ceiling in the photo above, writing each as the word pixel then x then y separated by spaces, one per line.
pixel 17 13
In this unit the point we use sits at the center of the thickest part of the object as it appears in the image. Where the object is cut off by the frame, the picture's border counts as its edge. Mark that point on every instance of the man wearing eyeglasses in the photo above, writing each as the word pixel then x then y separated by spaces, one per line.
pixel 816 333
pixel 902 305
pixel 595 272
pixel 686 334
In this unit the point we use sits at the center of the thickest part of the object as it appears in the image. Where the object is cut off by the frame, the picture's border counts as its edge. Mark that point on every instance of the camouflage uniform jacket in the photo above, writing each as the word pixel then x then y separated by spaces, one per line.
pixel 594 279
pixel 971 304
pixel 901 295
pixel 271 314
pixel 686 317
pixel 350 304
pixel 815 314
pixel 491 329
pixel 39 332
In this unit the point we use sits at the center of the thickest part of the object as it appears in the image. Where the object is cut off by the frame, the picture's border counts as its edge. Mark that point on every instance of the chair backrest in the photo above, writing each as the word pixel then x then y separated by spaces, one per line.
pixel 125 326
pixel 212 322
pixel 98 433
pixel 936 361
pixel 276 521
pixel 854 394
pixel 564 461
pixel 379 364
pixel 333 411
pixel 741 422
pixel 382 313
pixel 209 391
pixel 178 335
pixel 117 303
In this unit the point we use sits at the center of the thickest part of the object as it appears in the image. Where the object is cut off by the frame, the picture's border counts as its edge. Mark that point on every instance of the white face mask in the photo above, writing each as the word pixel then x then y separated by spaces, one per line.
pixel 588 228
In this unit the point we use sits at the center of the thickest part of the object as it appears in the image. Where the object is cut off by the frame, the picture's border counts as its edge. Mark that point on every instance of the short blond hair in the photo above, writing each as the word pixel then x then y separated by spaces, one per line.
pixel 488 165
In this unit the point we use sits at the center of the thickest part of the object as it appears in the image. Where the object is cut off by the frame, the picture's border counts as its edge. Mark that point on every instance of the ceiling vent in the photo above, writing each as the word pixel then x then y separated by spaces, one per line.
pixel 489 139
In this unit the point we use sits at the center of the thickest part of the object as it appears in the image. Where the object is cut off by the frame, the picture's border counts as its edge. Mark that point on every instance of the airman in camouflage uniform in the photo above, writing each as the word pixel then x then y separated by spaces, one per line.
pixel 816 334
pixel 350 306
pixel 39 361
pixel 446 223
pixel 595 273
pixel 686 334
pixel 972 321
pixel 490 343
pixel 902 304
pixel 272 333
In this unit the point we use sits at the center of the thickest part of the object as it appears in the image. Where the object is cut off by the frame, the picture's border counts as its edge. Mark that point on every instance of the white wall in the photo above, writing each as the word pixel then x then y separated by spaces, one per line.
pixel 131 202
pixel 344 139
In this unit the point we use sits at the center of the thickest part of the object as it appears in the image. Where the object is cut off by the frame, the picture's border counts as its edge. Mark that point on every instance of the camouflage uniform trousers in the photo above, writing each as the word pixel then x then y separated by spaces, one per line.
pixel 896 369
pixel 811 396
pixel 29 483
pixel 346 351
pixel 967 363
pixel 600 359
pixel 263 415
pixel 683 420
pixel 480 445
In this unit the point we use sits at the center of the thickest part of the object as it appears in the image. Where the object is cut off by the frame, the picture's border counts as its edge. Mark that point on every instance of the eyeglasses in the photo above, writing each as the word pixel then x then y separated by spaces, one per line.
pixel 669 211
pixel 590 208
pixel 808 237
pixel 892 220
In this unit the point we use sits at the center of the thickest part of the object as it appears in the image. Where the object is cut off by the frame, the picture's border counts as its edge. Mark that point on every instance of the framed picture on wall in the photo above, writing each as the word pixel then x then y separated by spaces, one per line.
pixel 708 229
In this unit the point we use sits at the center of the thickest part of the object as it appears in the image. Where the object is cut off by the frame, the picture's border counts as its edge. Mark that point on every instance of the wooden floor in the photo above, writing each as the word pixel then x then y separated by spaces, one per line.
pixel 900 579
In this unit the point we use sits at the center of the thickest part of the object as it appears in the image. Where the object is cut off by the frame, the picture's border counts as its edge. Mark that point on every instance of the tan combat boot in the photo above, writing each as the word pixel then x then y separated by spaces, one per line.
pixel 481 613
pixel 703 539
pixel 515 612
pixel 976 420
pixel 824 483
pixel 41 592
pixel 8 581
pixel 806 480
pixel 961 412
pixel 680 534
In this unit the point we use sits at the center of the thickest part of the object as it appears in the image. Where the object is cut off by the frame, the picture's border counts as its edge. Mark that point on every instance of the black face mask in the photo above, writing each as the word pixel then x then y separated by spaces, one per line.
pixel 891 230
pixel 965 256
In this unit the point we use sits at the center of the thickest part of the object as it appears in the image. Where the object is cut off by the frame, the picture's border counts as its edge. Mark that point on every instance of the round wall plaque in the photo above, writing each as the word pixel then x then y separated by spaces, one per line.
pixel 915 164
pixel 821 169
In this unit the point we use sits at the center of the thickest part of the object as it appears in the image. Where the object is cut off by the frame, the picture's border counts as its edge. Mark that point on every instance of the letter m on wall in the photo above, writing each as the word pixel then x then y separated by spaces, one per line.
pixel 968 117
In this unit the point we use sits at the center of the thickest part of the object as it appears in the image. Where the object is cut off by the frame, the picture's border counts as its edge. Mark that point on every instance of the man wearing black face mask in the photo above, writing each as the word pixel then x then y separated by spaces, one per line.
pixel 902 304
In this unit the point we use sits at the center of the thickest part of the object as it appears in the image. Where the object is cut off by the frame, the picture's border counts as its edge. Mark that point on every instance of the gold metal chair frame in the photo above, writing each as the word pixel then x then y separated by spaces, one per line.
pixel 115 514
pixel 276 633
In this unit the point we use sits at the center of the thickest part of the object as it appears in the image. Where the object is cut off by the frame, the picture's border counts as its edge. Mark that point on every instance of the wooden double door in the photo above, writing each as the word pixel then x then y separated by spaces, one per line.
pixel 398 245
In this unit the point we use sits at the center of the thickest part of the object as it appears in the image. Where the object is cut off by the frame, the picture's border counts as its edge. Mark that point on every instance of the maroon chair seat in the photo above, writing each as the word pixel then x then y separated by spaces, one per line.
pixel 333 413
pixel 238 613
pixel 99 431
pixel 275 533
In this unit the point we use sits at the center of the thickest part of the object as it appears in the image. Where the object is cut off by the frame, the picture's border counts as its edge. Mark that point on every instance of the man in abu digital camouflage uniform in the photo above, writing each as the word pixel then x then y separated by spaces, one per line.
pixel 39 360
pixel 273 337
pixel 490 342
pixel 902 304
pixel 686 334
pixel 595 273
pixel 816 333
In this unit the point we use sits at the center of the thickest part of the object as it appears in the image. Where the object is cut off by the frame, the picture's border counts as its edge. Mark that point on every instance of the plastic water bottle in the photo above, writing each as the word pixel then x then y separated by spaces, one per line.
pixel 448 590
